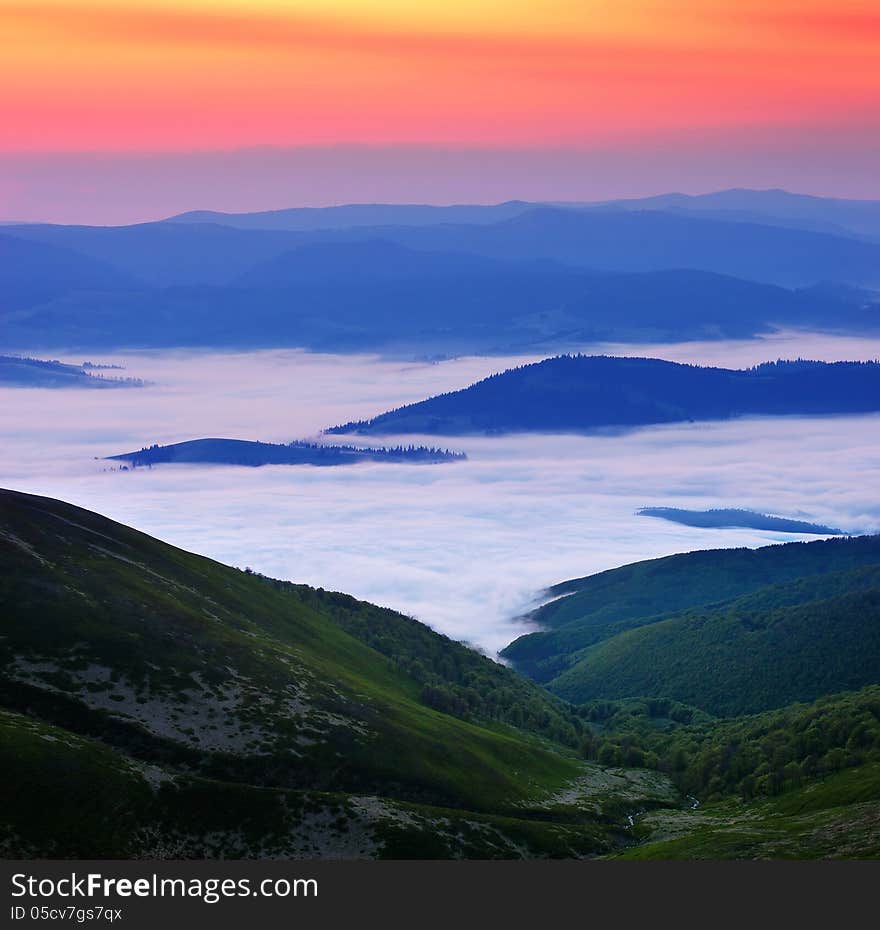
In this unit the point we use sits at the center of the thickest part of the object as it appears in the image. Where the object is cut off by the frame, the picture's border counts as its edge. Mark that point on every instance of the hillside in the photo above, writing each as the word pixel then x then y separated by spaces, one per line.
pixel 577 393
pixel 154 703
pixel 197 710
pixel 728 631
pixel 254 454
pixel 349 216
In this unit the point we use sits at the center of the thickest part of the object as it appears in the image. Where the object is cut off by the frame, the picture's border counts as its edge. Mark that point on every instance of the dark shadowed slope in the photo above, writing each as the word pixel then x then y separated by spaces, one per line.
pixel 572 393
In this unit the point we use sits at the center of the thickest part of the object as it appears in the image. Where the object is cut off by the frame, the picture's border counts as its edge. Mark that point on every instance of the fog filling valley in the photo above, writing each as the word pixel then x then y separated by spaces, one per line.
pixel 465 547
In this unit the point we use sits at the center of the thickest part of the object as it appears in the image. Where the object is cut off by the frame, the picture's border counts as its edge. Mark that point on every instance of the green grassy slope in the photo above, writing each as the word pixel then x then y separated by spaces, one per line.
pixel 151 656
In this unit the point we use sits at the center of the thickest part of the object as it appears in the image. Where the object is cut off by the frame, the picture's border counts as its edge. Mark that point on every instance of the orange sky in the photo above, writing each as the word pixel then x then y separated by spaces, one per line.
pixel 137 76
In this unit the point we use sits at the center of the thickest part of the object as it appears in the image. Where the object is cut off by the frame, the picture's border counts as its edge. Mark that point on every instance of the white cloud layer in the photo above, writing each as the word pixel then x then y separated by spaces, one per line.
pixel 464 547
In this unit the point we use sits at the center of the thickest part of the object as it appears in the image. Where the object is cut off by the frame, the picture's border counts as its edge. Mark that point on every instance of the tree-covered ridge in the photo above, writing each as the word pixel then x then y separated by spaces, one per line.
pixel 585 611
pixel 570 393
pixel 298 452
pixel 727 517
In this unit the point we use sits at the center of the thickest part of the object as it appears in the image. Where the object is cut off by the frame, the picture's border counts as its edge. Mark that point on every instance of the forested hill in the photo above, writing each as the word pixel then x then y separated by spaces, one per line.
pixel 585 392
pixel 253 454
pixel 729 631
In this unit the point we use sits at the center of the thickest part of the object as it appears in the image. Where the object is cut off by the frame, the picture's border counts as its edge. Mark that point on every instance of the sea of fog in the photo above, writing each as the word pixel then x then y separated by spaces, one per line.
pixel 464 547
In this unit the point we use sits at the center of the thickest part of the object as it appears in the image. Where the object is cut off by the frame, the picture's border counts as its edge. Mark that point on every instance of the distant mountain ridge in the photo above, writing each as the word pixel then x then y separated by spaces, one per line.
pixel 349 216
pixel 416 280
pixel 573 393
pixel 774 206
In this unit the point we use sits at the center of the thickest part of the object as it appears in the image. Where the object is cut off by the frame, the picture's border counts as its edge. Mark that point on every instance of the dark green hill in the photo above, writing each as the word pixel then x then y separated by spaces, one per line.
pixel 740 659
pixel 585 611
pixel 729 631
pixel 179 699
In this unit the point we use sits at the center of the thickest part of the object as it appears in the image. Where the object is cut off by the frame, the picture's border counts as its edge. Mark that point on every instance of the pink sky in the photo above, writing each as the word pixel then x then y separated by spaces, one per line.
pixel 119 110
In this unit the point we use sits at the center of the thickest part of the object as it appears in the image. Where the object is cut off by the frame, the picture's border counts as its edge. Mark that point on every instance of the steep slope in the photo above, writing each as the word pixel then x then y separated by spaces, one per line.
pixel 205 701
pixel 572 393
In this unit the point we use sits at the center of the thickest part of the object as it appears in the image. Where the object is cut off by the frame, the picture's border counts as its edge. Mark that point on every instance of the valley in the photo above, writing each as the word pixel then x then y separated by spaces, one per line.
pixel 224 713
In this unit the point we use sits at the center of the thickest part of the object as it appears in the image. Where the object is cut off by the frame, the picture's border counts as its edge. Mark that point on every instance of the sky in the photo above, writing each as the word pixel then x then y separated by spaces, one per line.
pixel 118 110
pixel 465 547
